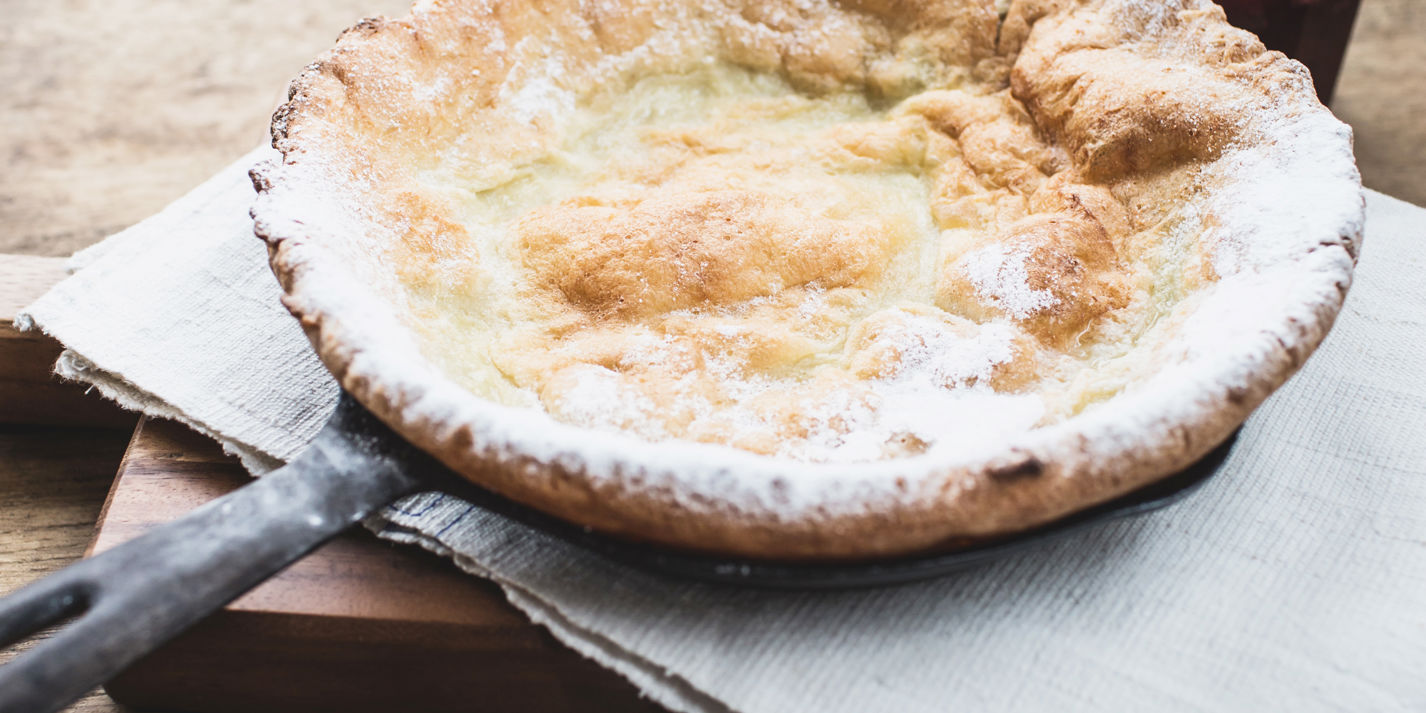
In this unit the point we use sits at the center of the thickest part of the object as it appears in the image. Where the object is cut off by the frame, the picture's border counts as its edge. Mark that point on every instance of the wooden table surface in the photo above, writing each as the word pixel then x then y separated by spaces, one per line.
pixel 113 109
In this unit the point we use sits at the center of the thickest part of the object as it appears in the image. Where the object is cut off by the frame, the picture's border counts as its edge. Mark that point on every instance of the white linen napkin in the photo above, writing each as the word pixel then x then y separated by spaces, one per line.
pixel 1294 580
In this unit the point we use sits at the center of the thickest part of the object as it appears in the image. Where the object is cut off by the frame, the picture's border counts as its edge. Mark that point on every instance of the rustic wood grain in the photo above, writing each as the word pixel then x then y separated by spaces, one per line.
pixel 359 625
pixel 52 482
pixel 26 278
pixel 114 108
pixel 29 391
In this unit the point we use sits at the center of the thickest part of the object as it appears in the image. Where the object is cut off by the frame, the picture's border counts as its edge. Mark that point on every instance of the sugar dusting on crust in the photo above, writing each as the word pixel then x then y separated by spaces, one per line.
pixel 999 275
pixel 538 95
pixel 1283 196
pixel 935 356
pixel 600 399
pixel 1285 210
pixel 936 394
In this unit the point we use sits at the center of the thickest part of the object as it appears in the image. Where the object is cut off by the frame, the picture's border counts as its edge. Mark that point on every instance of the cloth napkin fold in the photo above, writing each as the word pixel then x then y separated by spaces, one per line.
pixel 1294 580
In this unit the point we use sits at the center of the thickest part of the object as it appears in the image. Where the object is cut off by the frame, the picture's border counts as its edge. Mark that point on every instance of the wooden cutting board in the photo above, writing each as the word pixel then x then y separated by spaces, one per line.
pixel 358 625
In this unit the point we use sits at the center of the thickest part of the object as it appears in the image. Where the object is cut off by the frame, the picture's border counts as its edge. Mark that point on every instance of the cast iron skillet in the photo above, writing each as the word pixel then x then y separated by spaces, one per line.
pixel 129 600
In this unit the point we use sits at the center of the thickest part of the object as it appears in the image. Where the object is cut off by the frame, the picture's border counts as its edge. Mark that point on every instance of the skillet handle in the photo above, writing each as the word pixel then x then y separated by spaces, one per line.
pixel 131 599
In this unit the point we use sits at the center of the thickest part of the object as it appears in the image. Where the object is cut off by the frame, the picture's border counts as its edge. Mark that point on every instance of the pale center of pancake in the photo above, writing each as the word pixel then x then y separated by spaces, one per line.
pixel 715 257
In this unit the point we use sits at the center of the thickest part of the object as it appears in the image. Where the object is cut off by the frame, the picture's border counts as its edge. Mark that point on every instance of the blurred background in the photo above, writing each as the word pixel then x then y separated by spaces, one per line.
pixel 113 108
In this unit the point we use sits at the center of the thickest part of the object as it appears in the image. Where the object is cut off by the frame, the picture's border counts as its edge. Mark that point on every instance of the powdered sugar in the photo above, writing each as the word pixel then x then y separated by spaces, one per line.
pixel 538 95
pixel 933 353
pixel 999 275
pixel 598 398
pixel 938 390
pixel 937 396
pixel 935 392
pixel 1281 195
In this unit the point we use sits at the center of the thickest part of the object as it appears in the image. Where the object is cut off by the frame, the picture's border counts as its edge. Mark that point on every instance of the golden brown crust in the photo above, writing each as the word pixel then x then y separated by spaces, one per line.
pixel 1069 261
pixel 1093 122
pixel 692 241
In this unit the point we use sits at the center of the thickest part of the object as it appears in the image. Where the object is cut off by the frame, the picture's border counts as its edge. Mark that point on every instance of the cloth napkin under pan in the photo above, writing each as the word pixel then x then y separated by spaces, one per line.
pixel 1294 580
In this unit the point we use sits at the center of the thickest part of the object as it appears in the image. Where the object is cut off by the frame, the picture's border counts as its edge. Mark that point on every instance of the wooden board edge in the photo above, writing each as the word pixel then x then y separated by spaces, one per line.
pixel 30 393
pixel 274 663
pixel 114 486
pixel 259 654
